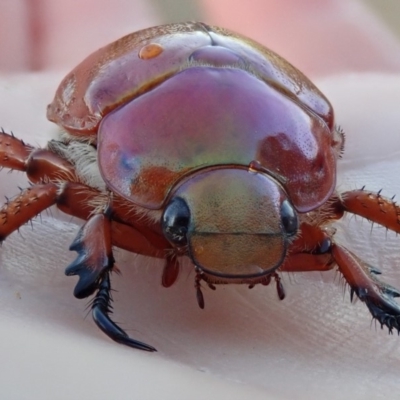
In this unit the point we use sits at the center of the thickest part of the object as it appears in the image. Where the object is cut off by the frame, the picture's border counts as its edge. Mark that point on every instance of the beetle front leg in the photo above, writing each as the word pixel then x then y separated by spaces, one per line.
pixel 101 307
pixel 378 296
pixel 93 245
pixel 93 265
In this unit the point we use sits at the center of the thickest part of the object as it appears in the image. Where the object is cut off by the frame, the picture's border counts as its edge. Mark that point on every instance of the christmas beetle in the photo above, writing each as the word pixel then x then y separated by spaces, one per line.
pixel 188 140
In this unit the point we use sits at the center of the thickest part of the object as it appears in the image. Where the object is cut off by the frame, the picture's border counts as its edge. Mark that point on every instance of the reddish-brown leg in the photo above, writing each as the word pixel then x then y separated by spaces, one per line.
pixel 39 164
pixel 303 262
pixel 314 250
pixel 361 277
pixel 93 266
pixel 13 152
pixel 93 245
pixel 29 203
pixel 41 167
pixel 74 198
pixel 94 241
pixel 374 207
pixel 378 296
pixel 311 251
pixel 78 200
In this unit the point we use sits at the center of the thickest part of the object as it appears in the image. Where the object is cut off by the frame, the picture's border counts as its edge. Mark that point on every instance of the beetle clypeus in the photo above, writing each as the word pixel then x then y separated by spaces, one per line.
pixel 191 140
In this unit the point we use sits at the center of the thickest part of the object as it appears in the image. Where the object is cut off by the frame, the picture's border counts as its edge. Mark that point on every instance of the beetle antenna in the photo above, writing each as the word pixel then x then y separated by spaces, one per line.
pixel 199 293
pixel 279 286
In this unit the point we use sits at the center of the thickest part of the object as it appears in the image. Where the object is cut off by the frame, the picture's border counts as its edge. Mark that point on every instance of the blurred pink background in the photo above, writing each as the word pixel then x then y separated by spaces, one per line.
pixel 318 36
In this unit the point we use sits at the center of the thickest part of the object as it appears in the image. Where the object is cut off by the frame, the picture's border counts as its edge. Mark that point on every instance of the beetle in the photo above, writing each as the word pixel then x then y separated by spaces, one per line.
pixel 189 140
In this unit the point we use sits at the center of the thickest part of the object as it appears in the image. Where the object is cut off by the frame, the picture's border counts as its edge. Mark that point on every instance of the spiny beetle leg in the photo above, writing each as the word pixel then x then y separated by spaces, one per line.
pixel 39 164
pixel 93 245
pixel 14 152
pixel 378 296
pixel 29 203
pixel 374 207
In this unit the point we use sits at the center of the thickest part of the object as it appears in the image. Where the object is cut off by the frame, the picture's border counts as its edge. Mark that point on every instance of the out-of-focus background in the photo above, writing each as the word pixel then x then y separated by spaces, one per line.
pixel 39 35
pixel 389 11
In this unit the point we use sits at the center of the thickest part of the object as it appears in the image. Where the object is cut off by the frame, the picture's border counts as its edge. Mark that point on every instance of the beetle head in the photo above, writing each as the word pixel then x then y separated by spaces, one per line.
pixel 236 223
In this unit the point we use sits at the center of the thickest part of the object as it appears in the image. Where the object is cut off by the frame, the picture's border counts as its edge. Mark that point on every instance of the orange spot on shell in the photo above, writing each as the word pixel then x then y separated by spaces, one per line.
pixel 150 51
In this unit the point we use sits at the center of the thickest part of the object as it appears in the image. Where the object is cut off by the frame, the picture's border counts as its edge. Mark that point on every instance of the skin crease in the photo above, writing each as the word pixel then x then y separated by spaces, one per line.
pixel 314 343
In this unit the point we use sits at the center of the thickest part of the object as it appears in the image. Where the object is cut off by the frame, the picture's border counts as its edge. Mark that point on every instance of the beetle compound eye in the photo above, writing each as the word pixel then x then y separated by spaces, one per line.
pixel 289 218
pixel 175 221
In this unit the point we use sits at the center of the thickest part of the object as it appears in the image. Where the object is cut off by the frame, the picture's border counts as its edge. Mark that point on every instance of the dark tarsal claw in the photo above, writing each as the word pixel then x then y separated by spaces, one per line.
pixel 374 270
pixel 94 255
pixel 101 308
pixel 377 296
pixel 383 307
pixel 93 265
pixel 88 278
pixel 352 291
pixel 390 291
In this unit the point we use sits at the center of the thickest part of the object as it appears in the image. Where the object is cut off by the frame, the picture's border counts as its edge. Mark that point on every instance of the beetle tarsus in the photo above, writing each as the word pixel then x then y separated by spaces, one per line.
pixel 101 308
pixel 384 309
pixel 88 279
pixel 93 265
pixel 377 296
pixel 95 256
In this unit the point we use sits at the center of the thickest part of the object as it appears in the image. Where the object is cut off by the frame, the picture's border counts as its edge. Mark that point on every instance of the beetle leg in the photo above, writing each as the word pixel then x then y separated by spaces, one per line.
pixel 372 206
pixel 39 164
pixel 305 262
pixel 378 296
pixel 13 152
pixel 93 265
pixel 29 203
pixel 81 201
pixel 93 245
pixel 310 251
pixel 314 250
pixel 101 307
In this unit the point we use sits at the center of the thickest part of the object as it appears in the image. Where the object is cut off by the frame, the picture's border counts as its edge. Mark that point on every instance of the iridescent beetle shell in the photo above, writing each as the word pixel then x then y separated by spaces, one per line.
pixel 175 102
pixel 172 112
pixel 191 140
